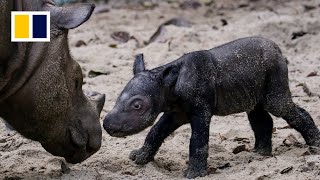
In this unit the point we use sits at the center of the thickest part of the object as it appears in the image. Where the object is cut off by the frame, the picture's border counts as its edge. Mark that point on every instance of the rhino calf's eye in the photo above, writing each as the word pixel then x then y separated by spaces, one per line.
pixel 137 106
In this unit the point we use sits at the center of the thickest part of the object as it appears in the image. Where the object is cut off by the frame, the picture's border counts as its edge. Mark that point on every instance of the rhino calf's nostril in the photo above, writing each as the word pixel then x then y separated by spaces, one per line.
pixel 112 128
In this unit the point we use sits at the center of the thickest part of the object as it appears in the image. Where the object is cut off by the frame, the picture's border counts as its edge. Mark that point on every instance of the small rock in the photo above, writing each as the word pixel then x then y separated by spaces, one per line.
pixel 42 169
pixel 308 7
pixel 239 149
pixel 179 22
pixel 242 139
pixel 304 168
pixel 263 177
pixel 291 140
pixel 285 127
pixel 161 31
pixel 113 45
pixel 128 173
pixel 314 73
pixel 12 178
pixel 314 150
pixel 224 22
pixel 80 43
pixel 149 4
pixel 222 138
pixel 307 90
pixel 206 2
pixel 298 34
pixel 190 4
pixel 306 153
pixel 121 36
pixel 243 5
pixel 217 148
pixel 286 170
pixel 299 85
pixel 312 165
pixel 227 165
pixel 93 74
pixel 212 170
pixel 215 28
pixel 102 10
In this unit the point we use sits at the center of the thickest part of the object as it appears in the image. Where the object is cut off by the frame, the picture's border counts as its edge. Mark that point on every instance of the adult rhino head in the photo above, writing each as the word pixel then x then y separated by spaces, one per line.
pixel 41 85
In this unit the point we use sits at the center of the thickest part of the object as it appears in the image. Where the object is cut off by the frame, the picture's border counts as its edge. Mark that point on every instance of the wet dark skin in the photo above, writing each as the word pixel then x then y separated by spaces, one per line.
pixel 41 93
pixel 246 75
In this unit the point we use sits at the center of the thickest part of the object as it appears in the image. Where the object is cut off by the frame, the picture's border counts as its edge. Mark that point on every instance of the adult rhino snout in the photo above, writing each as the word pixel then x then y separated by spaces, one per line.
pixel 86 140
pixel 86 133
pixel 83 135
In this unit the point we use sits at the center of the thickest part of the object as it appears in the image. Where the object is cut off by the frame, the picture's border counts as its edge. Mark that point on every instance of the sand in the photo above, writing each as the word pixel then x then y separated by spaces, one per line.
pixel 21 158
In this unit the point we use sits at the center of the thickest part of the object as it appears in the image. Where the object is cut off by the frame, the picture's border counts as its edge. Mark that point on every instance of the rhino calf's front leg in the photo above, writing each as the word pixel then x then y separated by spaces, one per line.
pixel 198 148
pixel 168 123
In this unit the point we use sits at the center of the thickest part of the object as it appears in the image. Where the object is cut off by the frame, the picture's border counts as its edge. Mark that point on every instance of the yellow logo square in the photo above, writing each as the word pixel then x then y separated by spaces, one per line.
pixel 21 26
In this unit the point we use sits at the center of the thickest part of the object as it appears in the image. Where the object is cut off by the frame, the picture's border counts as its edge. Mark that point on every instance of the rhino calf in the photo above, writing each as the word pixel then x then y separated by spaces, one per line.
pixel 246 75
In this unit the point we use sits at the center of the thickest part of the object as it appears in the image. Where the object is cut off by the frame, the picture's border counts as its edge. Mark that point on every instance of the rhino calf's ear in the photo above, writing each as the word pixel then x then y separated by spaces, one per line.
pixel 72 16
pixel 138 65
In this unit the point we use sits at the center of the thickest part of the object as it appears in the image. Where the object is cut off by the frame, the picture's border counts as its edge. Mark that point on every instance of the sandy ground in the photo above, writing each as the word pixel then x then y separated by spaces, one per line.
pixel 21 158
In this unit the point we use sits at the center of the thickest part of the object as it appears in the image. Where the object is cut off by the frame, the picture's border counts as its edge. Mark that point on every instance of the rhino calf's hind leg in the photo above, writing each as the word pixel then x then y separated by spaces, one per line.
pixel 261 124
pixel 168 123
pixel 300 120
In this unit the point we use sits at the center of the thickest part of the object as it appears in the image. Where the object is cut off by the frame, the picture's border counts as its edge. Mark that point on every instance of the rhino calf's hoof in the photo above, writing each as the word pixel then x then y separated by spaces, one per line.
pixel 316 144
pixel 193 172
pixel 262 152
pixel 141 156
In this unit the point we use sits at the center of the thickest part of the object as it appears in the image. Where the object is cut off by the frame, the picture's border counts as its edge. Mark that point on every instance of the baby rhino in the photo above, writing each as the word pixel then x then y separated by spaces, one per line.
pixel 247 75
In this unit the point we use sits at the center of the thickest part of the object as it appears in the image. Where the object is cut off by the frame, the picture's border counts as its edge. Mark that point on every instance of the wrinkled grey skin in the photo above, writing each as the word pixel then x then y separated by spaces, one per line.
pixel 247 75
pixel 41 85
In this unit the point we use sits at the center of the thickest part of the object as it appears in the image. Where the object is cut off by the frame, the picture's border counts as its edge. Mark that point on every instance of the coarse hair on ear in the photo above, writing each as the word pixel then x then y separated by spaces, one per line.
pixel 138 65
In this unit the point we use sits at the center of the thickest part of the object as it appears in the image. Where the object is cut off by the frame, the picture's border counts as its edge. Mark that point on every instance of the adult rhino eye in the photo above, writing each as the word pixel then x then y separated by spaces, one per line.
pixel 77 84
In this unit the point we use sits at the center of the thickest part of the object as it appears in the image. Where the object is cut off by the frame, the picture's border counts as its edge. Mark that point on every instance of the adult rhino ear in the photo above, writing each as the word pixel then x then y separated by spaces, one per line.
pixel 72 16
pixel 169 76
pixel 138 65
